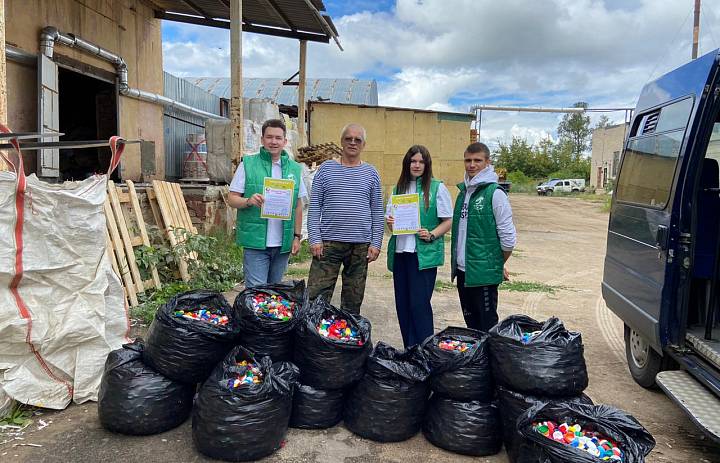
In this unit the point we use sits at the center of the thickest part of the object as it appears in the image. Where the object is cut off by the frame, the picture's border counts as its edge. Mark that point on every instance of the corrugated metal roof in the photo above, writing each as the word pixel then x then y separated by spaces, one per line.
pixel 353 91
pixel 444 115
pixel 286 18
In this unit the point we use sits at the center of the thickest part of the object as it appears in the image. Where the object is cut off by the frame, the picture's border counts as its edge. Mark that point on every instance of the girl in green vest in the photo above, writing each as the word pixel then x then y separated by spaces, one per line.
pixel 414 259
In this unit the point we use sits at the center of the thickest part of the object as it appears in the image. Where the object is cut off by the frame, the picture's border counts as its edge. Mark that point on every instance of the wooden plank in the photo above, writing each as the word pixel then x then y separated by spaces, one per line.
pixel 144 238
pixel 182 207
pixel 152 199
pixel 113 261
pixel 127 244
pixel 118 248
pixel 123 196
pixel 166 215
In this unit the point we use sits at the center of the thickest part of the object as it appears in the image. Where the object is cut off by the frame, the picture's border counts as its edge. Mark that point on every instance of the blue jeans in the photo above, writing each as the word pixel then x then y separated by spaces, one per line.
pixel 263 266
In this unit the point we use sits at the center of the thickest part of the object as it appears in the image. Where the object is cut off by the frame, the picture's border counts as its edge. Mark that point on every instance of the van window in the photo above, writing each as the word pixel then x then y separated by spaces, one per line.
pixel 675 116
pixel 648 169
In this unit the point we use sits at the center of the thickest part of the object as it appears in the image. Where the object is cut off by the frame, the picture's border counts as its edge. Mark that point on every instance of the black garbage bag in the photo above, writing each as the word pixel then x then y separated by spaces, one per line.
pixel 513 405
pixel 135 399
pixel 187 350
pixel 631 437
pixel 460 375
pixel 247 422
pixel 316 408
pixel 468 428
pixel 326 363
pixel 551 363
pixel 264 335
pixel 388 404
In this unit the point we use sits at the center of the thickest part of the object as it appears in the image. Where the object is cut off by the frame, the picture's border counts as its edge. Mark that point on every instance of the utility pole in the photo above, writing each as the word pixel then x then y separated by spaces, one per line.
pixel 696 30
pixel 236 95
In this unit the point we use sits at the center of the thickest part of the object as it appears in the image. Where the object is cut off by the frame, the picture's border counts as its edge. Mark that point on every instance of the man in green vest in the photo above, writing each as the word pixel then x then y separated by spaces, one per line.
pixel 267 243
pixel 483 238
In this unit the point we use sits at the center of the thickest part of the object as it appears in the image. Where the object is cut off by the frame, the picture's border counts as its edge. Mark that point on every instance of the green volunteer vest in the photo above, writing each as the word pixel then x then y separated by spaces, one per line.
pixel 251 230
pixel 429 254
pixel 483 255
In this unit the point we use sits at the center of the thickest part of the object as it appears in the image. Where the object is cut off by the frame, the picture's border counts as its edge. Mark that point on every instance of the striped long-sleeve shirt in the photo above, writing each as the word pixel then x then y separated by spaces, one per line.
pixel 346 205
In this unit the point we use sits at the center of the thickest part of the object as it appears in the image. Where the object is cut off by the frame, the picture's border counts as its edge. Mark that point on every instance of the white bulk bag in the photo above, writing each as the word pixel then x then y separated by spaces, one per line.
pixel 62 308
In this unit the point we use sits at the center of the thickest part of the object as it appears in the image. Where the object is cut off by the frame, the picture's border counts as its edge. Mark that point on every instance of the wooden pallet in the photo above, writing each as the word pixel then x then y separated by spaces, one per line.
pixel 124 236
pixel 170 211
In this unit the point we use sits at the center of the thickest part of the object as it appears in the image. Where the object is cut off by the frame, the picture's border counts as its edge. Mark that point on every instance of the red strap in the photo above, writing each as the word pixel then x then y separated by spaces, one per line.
pixel 117 146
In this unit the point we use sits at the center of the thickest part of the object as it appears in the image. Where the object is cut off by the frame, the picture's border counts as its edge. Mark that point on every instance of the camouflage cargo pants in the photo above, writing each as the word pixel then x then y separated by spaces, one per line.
pixel 324 273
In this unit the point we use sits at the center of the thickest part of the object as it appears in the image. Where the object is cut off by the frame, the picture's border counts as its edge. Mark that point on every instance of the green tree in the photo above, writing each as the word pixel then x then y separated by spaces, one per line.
pixel 602 122
pixel 516 156
pixel 575 130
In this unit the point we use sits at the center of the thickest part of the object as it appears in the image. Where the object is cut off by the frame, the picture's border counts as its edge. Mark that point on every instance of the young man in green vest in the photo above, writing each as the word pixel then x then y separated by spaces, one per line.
pixel 483 238
pixel 267 243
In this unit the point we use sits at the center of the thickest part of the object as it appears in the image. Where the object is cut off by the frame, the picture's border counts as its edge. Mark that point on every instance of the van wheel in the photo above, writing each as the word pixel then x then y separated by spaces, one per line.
pixel 548 192
pixel 643 361
pixel 576 190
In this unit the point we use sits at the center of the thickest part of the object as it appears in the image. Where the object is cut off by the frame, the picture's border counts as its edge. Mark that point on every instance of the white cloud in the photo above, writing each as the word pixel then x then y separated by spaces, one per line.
pixel 446 55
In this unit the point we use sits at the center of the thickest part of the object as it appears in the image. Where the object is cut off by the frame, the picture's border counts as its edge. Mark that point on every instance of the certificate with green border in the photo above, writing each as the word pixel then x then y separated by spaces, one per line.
pixel 278 195
pixel 406 212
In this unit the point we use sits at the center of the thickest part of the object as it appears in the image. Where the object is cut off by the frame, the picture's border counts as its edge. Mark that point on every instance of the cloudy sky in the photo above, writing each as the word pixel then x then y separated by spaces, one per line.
pixel 451 54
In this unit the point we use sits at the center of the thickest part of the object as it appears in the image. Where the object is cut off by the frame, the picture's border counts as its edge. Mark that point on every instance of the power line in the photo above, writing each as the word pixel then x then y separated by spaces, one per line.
pixel 667 49
pixel 708 25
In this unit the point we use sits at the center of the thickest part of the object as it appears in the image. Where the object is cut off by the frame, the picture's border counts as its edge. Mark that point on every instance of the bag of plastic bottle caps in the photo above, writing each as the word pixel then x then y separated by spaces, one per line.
pixel 538 358
pixel 267 316
pixel 245 421
pixel 515 404
pixel 632 439
pixel 316 408
pixel 460 363
pixel 468 428
pixel 327 361
pixel 388 404
pixel 187 349
pixel 135 399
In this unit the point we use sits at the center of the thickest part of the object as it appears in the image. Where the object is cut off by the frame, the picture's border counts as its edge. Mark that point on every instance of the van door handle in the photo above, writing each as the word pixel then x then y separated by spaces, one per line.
pixel 661 238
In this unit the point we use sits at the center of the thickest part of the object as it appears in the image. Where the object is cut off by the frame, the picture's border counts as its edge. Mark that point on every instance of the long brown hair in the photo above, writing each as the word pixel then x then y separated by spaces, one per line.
pixel 406 176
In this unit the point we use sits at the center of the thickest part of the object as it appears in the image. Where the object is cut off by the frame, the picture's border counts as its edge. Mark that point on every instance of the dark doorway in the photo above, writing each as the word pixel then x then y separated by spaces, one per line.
pixel 88 111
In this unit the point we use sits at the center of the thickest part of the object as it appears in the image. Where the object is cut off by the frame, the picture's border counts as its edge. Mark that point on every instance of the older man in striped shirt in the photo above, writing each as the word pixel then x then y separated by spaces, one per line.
pixel 345 222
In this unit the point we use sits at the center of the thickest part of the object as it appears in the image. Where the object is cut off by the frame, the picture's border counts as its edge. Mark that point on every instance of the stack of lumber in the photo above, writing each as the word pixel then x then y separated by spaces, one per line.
pixel 126 230
pixel 315 155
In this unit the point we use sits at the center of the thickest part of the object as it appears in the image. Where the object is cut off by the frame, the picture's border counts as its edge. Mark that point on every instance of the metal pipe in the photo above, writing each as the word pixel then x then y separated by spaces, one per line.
pixel 20 56
pixel 49 36
pixel 525 109
pixel 168 103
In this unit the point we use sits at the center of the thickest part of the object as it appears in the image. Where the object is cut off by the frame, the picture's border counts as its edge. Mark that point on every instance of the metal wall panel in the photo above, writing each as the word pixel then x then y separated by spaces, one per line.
pixel 178 125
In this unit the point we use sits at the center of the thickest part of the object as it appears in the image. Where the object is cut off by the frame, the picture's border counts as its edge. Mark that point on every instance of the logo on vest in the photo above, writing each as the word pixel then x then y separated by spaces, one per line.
pixel 480 203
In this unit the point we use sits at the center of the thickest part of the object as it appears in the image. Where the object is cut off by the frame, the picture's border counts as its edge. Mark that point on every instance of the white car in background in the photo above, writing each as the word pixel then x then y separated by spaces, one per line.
pixel 565 185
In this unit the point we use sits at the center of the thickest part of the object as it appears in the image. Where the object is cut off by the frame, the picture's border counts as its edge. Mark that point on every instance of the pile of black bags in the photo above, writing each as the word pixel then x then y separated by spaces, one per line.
pixel 267 336
pixel 388 404
pixel 327 367
pixel 461 415
pixel 246 422
pixel 135 399
pixel 187 350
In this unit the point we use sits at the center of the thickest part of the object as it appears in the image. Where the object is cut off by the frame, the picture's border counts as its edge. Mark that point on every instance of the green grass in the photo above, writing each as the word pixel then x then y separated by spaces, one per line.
pixel 19 415
pixel 528 287
pixel 303 255
pixel 442 286
pixel 298 272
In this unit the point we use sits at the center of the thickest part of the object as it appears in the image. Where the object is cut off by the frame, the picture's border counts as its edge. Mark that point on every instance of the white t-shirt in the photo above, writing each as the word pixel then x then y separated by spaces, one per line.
pixel 275 226
pixel 406 243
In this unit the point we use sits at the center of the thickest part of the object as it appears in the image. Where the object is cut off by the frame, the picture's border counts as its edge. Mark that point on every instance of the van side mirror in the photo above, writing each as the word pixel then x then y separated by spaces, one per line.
pixel 661 238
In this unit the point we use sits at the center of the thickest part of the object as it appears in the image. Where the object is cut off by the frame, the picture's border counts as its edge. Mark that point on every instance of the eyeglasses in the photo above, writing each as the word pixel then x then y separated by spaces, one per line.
pixel 350 140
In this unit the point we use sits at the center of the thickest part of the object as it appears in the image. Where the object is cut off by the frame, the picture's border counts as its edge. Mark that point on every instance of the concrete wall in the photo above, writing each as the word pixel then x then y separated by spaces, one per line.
pixel 125 27
pixel 391 131
pixel 605 143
